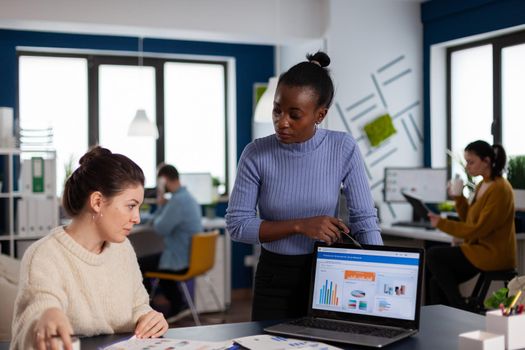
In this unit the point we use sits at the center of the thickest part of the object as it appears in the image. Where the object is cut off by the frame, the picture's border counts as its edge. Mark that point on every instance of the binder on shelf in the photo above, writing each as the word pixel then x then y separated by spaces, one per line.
pixel 37 175
pixel 25 185
pixel 37 172
pixel 46 215
pixel 22 219
pixel 32 209
pixel 41 215
pixel 50 176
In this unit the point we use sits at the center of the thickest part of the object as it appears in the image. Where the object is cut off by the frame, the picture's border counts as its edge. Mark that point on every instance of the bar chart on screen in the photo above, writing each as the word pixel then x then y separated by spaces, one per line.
pixel 328 294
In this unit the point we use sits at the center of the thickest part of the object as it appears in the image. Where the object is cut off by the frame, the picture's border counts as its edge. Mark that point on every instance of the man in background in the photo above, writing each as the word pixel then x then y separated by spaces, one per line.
pixel 177 218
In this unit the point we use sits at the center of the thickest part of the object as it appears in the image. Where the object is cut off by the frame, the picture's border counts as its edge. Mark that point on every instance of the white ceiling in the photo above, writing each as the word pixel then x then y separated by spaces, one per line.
pixel 249 21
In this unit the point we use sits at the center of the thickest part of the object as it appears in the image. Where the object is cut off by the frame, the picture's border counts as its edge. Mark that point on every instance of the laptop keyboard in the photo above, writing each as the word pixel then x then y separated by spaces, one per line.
pixel 348 327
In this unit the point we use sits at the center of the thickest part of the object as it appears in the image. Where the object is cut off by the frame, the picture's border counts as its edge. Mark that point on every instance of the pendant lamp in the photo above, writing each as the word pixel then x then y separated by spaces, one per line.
pixel 263 110
pixel 141 125
pixel 264 107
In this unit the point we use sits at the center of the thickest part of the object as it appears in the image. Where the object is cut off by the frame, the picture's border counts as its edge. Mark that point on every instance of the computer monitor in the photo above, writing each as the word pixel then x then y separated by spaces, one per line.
pixel 200 185
pixel 429 184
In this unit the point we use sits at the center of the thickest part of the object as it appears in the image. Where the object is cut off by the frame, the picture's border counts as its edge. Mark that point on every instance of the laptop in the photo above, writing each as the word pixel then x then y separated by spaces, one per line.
pixel 420 211
pixel 420 208
pixel 367 296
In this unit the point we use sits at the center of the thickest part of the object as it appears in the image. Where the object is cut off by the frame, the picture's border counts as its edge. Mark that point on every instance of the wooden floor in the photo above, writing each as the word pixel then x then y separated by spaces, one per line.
pixel 239 311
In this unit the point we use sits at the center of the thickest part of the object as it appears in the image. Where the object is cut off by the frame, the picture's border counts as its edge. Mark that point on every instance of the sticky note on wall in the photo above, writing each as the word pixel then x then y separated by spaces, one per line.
pixel 380 129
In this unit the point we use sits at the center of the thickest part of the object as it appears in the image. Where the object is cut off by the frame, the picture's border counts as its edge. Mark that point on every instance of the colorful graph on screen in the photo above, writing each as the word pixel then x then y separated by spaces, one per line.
pixel 328 294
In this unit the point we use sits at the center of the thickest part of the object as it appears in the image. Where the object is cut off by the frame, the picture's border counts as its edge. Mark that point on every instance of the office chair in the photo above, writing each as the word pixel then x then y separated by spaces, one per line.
pixel 202 259
pixel 485 278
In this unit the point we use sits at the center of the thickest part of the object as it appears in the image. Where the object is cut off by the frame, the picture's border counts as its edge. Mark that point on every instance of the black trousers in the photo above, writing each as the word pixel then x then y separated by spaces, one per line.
pixel 282 285
pixel 170 289
pixel 448 268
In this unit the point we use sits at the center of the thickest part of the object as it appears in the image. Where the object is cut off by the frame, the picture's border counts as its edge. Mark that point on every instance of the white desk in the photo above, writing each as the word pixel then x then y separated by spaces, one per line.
pixel 421 234
pixel 213 223
pixel 416 233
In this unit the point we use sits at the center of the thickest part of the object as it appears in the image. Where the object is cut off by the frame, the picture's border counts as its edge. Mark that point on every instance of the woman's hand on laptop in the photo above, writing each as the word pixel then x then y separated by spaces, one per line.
pixel 323 228
pixel 434 218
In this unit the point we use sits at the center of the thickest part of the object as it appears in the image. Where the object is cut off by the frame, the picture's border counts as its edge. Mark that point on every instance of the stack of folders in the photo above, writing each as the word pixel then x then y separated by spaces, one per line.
pixel 36 215
pixel 38 175
pixel 37 209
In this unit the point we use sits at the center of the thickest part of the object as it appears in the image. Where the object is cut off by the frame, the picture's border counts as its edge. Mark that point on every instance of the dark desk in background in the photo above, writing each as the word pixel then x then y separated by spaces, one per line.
pixel 439 329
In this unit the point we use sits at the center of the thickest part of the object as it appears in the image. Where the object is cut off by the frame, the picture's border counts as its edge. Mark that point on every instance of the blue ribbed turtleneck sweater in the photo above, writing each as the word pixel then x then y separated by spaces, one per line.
pixel 300 180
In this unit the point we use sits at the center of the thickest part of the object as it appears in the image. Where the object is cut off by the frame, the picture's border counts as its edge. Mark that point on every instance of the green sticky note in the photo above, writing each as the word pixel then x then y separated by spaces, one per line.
pixel 380 129
pixel 259 91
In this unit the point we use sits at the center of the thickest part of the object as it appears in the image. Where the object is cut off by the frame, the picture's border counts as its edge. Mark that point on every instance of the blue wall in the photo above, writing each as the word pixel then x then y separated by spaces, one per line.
pixel 445 20
pixel 254 63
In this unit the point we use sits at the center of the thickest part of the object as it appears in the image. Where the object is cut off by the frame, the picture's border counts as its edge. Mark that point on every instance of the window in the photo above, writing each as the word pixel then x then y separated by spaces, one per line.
pixel 53 94
pixel 513 103
pixel 485 93
pixel 471 99
pixel 92 99
pixel 122 90
pixel 195 111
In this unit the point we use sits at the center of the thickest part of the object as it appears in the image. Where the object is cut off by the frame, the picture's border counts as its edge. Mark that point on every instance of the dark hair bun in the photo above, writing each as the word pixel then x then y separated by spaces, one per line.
pixel 103 171
pixel 93 153
pixel 314 75
pixel 319 57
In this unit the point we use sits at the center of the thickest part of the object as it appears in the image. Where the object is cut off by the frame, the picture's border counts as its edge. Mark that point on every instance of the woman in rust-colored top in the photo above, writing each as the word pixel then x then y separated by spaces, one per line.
pixel 486 227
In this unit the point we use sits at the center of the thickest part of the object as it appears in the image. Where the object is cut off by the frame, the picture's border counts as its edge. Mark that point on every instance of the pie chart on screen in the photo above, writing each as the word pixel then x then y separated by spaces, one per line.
pixel 357 293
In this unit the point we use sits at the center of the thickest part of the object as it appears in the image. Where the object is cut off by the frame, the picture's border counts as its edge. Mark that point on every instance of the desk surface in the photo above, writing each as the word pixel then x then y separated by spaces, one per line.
pixel 439 329
pixel 424 234
pixel 416 233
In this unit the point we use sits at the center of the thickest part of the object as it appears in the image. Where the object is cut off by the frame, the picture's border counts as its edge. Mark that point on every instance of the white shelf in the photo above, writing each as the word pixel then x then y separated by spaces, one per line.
pixel 10 194
pixel 30 237
pixel 13 200
pixel 7 151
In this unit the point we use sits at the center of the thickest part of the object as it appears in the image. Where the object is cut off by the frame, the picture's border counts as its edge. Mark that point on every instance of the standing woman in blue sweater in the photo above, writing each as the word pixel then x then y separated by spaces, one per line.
pixel 294 178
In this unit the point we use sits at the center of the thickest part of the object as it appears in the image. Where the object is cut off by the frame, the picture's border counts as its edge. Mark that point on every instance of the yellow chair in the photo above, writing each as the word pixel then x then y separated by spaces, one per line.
pixel 202 259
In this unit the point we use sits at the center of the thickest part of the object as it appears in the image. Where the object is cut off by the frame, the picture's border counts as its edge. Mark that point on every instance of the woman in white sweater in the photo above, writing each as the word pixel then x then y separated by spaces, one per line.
pixel 84 278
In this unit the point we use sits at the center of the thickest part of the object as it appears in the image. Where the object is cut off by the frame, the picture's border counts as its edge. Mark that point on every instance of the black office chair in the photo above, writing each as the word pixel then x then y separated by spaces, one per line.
pixel 479 293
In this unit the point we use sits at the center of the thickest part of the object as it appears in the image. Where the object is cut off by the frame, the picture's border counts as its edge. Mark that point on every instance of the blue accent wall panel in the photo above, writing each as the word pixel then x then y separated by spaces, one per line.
pixel 445 20
pixel 253 63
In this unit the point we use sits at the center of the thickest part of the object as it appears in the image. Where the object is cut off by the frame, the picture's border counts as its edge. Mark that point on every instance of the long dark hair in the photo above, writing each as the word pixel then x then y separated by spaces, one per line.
pixel 496 153
pixel 99 170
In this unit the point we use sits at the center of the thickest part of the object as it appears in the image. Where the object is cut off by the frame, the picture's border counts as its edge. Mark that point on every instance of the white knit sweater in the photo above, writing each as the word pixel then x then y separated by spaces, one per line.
pixel 100 293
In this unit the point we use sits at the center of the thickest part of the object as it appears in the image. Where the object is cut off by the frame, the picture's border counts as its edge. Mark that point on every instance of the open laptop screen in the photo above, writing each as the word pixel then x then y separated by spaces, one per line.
pixel 381 282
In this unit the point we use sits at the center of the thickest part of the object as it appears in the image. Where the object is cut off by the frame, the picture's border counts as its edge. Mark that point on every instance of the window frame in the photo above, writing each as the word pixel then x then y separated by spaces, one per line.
pixel 498 44
pixel 95 60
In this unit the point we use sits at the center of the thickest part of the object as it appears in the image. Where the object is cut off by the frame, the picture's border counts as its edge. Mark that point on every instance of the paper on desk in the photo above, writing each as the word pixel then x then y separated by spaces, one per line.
pixel 273 342
pixel 134 343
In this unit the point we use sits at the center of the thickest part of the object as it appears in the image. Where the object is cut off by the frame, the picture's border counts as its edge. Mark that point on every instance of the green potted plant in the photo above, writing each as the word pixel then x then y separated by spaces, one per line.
pixel 516 177
pixel 210 209
pixel 499 297
pixel 68 169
